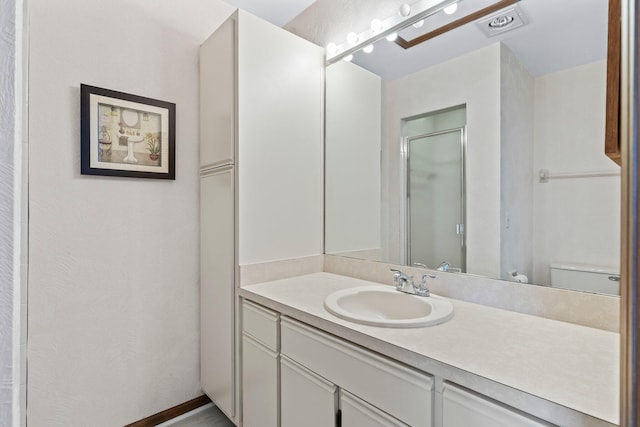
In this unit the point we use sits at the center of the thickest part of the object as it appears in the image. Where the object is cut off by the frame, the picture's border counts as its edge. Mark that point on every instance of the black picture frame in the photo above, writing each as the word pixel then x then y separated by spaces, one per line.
pixel 126 135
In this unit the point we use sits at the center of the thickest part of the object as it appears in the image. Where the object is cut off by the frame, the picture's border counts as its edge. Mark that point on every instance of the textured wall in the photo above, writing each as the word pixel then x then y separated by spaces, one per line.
pixel 575 220
pixel 114 274
pixel 330 20
pixel 7 197
pixel 12 216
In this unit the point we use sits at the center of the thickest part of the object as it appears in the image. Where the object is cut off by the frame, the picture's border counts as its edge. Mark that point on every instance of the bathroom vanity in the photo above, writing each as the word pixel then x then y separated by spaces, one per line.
pixel 483 367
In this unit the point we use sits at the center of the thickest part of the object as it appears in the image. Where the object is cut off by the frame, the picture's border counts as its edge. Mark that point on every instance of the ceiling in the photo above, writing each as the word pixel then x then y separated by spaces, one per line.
pixel 559 34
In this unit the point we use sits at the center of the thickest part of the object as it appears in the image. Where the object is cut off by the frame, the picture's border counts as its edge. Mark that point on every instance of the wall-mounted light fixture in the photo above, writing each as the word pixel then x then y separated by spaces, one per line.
pixel 387 28
pixel 450 10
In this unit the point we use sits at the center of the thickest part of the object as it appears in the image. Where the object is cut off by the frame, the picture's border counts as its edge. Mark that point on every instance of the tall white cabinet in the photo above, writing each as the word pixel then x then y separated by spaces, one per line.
pixel 261 131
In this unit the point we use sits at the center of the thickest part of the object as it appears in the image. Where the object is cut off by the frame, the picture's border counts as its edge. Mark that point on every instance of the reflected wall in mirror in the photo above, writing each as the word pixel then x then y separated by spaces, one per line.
pixel 534 99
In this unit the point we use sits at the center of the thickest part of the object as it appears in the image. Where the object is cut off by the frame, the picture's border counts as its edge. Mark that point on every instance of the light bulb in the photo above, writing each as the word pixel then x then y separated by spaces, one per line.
pixel 404 10
pixel 501 21
pixel 348 58
pixel 352 38
pixel 368 48
pixel 418 24
pixel 376 25
pixel 451 9
pixel 392 37
pixel 332 48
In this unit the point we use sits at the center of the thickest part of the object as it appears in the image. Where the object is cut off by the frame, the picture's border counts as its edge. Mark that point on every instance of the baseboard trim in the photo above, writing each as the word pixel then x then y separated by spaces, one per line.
pixel 171 413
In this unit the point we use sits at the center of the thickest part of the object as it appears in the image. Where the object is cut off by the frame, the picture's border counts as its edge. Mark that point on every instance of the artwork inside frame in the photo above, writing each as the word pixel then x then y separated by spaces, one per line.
pixel 126 135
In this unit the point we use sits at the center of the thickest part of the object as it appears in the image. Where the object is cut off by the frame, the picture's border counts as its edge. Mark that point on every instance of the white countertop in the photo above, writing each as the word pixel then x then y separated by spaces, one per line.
pixel 573 366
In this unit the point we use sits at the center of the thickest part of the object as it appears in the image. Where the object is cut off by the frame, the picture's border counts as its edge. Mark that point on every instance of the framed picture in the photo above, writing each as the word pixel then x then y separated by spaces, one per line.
pixel 126 135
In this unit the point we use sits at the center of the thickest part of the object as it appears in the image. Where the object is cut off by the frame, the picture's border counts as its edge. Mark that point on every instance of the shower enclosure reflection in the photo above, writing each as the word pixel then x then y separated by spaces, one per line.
pixel 435 194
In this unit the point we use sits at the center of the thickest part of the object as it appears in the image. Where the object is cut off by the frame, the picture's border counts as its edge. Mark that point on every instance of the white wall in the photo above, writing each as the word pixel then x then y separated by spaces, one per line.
pixel 280 133
pixel 442 86
pixel 13 214
pixel 575 220
pixel 516 165
pixel 352 160
pixel 113 286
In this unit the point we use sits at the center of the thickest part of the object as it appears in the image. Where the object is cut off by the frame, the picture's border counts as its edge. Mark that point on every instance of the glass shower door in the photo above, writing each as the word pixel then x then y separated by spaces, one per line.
pixel 435 198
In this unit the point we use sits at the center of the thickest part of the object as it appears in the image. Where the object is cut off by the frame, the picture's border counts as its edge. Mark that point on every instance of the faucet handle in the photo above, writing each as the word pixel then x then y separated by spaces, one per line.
pixel 401 279
pixel 422 289
pixel 396 275
pixel 444 266
pixel 419 264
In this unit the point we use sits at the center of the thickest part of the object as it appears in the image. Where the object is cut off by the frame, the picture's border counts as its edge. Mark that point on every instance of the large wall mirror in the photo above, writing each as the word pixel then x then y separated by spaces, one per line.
pixel 479 153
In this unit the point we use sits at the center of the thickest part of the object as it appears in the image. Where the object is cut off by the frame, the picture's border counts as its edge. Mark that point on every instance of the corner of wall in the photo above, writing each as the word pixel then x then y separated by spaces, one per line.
pixel 516 165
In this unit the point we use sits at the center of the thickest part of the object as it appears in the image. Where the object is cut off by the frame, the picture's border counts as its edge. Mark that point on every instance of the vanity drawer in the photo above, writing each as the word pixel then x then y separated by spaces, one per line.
pixel 356 412
pixel 463 408
pixel 400 391
pixel 261 324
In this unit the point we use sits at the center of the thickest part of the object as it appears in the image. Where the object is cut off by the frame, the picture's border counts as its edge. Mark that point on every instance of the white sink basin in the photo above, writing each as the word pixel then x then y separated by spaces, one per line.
pixel 380 305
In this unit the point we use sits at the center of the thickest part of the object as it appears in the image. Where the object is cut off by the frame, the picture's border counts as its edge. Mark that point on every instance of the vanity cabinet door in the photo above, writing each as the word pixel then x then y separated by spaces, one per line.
pixel 358 413
pixel 398 390
pixel 306 399
pixel 260 366
pixel 217 96
pixel 462 408
pixel 259 384
pixel 217 278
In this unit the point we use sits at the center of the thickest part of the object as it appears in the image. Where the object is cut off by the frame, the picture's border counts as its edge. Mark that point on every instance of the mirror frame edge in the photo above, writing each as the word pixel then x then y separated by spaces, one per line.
pixel 612 123
pixel 629 119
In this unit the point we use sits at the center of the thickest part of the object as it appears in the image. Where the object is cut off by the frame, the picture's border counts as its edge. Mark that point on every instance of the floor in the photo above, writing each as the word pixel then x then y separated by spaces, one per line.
pixel 206 416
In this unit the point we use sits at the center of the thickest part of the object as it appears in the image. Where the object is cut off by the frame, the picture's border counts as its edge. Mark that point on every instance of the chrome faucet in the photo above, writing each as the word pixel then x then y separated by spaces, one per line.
pixel 401 281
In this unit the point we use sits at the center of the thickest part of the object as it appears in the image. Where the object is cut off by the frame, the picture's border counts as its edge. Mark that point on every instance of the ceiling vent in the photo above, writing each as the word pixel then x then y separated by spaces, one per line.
pixel 502 21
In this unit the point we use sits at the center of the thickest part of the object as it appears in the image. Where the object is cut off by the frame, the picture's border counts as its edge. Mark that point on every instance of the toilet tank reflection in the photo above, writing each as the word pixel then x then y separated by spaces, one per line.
pixel 586 278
